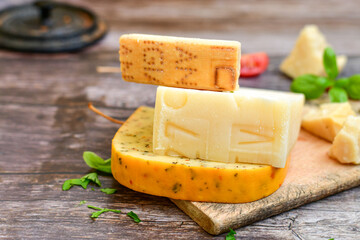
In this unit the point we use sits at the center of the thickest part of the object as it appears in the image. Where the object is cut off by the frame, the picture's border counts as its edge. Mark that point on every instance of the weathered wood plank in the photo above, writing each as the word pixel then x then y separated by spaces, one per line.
pixel 259 25
pixel 45 125
pixel 40 209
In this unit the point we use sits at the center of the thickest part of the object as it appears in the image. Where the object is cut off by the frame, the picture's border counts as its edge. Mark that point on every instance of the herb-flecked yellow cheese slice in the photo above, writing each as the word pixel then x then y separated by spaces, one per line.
pixel 135 166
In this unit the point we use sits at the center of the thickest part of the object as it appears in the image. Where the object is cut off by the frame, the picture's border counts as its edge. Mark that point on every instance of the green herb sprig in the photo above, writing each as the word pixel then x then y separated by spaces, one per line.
pixel 340 90
pixel 108 190
pixel 82 202
pixel 231 235
pixel 134 216
pixel 83 182
pixel 101 211
pixel 96 162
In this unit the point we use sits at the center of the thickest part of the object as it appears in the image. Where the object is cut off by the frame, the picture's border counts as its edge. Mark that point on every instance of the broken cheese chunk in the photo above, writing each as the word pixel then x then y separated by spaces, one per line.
pixel 307 55
pixel 135 166
pixel 180 62
pixel 346 145
pixel 327 120
pixel 248 125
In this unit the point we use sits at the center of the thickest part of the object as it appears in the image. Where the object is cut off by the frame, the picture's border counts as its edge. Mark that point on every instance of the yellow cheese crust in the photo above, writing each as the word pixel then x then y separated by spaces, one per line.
pixel 180 62
pixel 136 167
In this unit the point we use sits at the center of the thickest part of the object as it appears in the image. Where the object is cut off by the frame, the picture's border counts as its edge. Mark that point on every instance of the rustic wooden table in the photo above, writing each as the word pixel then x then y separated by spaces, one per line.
pixel 45 124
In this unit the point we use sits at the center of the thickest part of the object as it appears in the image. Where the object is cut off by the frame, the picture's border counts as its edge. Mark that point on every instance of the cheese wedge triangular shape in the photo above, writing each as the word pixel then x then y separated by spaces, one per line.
pixel 307 54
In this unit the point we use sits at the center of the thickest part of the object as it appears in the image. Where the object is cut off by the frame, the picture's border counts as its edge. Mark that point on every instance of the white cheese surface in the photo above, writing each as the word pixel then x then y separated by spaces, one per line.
pixel 346 145
pixel 307 54
pixel 248 125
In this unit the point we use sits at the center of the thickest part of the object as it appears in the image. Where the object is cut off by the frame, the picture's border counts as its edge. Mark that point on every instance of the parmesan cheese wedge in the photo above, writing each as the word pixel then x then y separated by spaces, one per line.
pixel 135 166
pixel 327 120
pixel 180 62
pixel 346 145
pixel 307 54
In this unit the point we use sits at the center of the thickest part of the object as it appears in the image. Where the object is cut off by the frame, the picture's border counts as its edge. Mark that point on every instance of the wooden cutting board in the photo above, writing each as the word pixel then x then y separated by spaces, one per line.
pixel 312 175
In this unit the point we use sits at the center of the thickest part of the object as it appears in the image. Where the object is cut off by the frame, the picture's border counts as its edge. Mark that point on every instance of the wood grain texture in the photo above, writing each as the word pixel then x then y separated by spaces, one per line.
pixel 260 25
pixel 312 175
pixel 45 124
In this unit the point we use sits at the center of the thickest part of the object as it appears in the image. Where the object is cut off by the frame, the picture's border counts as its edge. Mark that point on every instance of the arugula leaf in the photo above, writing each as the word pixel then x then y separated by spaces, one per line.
pixel 230 235
pixel 329 61
pixel 96 162
pixel 92 177
pixel 337 94
pixel 101 211
pixel 134 216
pixel 310 85
pixel 74 182
pixel 353 87
pixel 108 190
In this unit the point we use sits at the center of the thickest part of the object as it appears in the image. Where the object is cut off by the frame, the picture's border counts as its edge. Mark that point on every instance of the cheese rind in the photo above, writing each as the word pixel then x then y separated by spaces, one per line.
pixel 346 145
pixel 327 120
pixel 248 125
pixel 180 62
pixel 135 166
pixel 307 54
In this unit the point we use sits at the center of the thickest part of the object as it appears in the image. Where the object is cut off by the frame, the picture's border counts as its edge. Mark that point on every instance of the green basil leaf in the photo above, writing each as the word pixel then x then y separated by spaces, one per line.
pixel 329 61
pixel 341 82
pixel 96 162
pixel 353 88
pixel 230 235
pixel 91 177
pixel 338 95
pixel 72 182
pixel 310 85
pixel 134 216
pixel 108 190
pixel 82 202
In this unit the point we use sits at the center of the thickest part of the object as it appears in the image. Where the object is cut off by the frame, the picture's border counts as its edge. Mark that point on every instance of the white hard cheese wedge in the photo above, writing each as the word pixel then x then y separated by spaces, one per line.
pixel 346 145
pixel 247 125
pixel 307 54
pixel 327 120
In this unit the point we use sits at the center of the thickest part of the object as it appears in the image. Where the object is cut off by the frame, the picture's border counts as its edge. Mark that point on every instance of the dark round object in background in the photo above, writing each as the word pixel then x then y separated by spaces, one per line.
pixel 49 27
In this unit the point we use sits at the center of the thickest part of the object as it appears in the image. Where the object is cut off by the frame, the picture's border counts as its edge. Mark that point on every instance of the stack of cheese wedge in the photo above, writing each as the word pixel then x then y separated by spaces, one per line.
pixel 207 139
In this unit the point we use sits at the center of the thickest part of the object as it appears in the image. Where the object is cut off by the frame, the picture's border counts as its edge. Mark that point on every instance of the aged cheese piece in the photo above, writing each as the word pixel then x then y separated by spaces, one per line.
pixel 346 145
pixel 180 62
pixel 248 125
pixel 327 120
pixel 135 166
pixel 307 55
